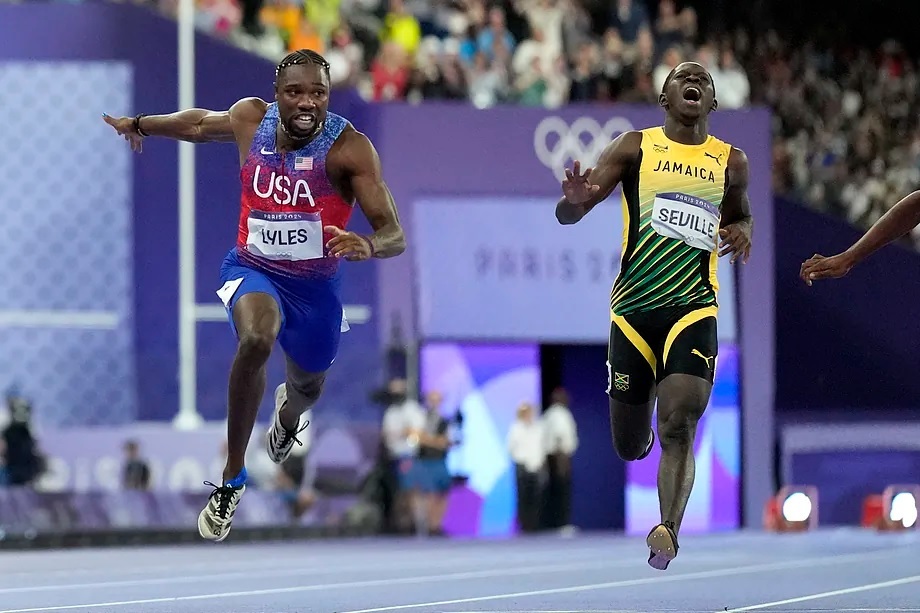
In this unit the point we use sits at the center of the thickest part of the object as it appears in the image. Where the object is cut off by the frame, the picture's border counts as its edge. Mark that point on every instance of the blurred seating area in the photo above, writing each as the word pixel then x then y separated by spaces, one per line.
pixel 846 138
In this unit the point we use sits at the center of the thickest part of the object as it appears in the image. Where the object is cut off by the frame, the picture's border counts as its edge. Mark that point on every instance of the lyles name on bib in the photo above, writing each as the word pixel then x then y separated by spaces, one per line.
pixel 285 236
pixel 690 219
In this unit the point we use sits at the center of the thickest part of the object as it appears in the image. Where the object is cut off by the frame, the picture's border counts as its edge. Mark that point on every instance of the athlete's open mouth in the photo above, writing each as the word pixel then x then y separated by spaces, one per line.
pixel 303 121
pixel 692 94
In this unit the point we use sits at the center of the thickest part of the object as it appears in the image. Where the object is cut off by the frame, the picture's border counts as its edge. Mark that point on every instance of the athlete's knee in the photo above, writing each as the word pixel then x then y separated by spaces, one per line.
pixel 255 346
pixel 677 421
pixel 629 430
pixel 629 447
pixel 309 387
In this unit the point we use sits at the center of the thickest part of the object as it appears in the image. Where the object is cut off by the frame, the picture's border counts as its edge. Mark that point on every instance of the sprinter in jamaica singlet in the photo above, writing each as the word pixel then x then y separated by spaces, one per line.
pixel 685 204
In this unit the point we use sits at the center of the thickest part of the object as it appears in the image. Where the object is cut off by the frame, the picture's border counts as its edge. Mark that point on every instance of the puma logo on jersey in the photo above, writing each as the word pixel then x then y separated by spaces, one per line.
pixel 717 159
pixel 697 353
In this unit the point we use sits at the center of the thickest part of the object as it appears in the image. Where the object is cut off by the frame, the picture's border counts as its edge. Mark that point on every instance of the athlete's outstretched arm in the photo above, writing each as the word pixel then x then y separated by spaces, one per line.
pixel 191 125
pixel 360 163
pixel 737 225
pixel 582 192
pixel 901 219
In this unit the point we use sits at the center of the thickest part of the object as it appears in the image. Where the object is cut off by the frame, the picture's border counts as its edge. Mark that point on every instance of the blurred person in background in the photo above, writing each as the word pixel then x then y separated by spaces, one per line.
pixel 629 17
pixel 390 73
pixel 401 28
pixel 282 279
pixel 686 205
pixel 402 420
pixel 560 436
pixel 135 474
pixel 495 41
pixel 22 458
pixel 734 88
pixel 430 480
pixel 525 446
pixel 4 474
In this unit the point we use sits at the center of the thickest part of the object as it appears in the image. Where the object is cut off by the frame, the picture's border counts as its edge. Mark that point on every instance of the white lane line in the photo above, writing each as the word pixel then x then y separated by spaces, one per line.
pixel 594 564
pixel 482 574
pixel 725 572
pixel 850 590
pixel 181 575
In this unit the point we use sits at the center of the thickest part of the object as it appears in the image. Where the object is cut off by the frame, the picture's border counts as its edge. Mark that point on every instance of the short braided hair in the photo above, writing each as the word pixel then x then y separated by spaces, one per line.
pixel 301 57
pixel 671 74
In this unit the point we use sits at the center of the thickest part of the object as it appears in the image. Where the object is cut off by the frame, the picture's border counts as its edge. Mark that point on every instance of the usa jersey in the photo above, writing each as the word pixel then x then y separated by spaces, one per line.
pixel 287 199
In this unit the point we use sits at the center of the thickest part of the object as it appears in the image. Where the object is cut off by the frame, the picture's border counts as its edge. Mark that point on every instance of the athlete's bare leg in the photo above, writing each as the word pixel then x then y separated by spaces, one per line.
pixel 303 390
pixel 631 428
pixel 681 402
pixel 258 320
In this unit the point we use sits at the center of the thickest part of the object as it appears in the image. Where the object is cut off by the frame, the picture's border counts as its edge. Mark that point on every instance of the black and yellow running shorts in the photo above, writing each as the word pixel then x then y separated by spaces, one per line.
pixel 645 348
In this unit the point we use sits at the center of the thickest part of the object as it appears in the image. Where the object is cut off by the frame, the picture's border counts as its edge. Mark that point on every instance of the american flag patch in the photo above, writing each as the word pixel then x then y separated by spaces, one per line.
pixel 302 163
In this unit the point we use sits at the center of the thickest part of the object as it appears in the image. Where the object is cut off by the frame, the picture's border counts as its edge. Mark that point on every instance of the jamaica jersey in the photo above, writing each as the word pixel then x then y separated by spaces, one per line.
pixel 672 208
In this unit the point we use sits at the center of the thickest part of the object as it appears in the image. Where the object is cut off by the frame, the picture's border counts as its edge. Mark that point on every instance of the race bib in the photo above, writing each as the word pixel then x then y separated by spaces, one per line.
pixel 285 236
pixel 693 220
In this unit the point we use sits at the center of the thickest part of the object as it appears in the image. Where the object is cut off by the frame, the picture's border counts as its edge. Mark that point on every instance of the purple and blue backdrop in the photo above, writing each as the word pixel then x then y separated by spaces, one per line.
pixel 492 175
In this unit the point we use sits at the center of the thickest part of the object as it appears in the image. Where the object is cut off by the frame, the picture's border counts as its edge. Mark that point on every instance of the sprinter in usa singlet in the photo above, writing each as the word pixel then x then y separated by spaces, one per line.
pixel 303 170
pixel 684 204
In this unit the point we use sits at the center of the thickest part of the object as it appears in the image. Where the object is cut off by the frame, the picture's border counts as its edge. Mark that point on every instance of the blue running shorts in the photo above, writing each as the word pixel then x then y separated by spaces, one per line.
pixel 312 320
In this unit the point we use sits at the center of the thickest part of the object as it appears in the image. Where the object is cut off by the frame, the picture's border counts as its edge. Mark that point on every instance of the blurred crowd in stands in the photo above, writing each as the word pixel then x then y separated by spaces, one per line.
pixel 846 137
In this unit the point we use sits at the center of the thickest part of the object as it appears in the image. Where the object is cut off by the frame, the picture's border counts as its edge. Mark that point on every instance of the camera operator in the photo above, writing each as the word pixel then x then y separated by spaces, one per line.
pixel 24 463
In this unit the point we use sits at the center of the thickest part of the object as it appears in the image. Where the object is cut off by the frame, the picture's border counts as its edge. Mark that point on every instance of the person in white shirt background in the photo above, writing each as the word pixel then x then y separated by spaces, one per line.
pixel 560 436
pixel 403 418
pixel 525 446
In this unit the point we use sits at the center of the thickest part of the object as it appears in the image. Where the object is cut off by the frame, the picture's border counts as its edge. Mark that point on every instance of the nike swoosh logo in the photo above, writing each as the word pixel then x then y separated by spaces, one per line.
pixel 264 152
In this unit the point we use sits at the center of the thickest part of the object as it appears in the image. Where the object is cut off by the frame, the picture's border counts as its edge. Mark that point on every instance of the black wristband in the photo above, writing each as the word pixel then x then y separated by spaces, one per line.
pixel 370 244
pixel 137 124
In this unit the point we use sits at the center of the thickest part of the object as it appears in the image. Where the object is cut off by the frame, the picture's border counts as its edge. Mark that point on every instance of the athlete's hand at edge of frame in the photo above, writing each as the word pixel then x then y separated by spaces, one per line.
pixel 819 267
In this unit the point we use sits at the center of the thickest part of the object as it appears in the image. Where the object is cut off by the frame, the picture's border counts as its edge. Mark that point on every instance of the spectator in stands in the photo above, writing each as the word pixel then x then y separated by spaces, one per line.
pixel 669 61
pixel 733 86
pixel 846 128
pixel 495 41
pixel 525 446
pixel 390 73
pixel 544 21
pixel 345 57
pixel 488 82
pixel 630 18
pixel 402 28
pixel 323 16
pixel 576 27
pixel 135 474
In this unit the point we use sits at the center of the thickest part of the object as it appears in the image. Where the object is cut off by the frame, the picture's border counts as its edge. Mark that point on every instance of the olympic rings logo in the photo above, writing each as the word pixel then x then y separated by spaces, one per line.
pixel 556 143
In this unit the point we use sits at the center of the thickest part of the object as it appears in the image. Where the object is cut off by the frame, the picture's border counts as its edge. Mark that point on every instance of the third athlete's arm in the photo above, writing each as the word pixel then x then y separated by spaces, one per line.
pixel 617 159
pixel 202 125
pixel 895 223
pixel 362 165
pixel 901 219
